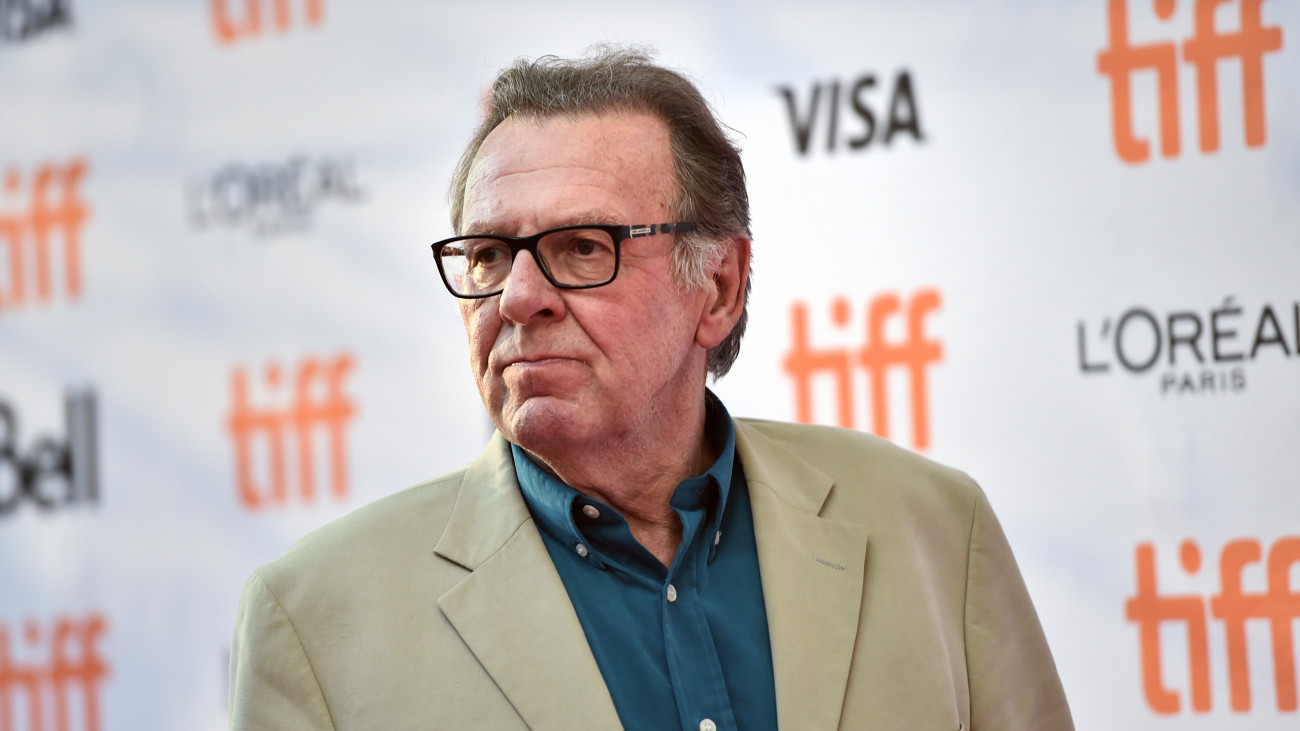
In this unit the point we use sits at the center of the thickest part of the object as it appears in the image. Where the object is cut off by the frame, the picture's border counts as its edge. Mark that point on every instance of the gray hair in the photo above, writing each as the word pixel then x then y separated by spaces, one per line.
pixel 710 177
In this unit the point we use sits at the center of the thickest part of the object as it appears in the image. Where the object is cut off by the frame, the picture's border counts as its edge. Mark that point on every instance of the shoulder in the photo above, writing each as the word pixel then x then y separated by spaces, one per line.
pixel 870 475
pixel 377 537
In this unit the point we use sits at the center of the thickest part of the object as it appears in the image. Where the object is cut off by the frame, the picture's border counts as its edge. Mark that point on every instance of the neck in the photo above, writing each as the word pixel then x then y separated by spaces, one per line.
pixel 637 475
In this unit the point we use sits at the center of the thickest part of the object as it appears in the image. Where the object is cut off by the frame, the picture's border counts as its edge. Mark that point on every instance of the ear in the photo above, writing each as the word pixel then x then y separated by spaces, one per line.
pixel 727 297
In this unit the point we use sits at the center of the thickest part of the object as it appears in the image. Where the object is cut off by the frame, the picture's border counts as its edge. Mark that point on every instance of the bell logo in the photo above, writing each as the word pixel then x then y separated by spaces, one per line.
pixel 877 356
pixel 35 678
pixel 1204 50
pixel 25 249
pixel 308 413
pixel 1278 606
pixel 72 463
pixel 229 30
pixel 22 20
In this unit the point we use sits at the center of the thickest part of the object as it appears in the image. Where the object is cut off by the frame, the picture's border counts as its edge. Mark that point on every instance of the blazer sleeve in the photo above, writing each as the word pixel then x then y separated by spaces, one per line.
pixel 1013 679
pixel 272 684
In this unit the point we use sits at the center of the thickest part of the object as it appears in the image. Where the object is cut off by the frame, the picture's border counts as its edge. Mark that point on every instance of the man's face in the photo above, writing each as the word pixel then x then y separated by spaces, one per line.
pixel 562 371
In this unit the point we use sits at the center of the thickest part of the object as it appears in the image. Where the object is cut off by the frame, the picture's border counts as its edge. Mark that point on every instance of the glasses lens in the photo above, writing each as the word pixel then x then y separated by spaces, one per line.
pixel 476 266
pixel 579 257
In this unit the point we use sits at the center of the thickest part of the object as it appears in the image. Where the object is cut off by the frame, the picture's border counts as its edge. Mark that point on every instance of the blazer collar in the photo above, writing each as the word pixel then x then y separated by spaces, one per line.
pixel 488 510
pixel 512 610
pixel 813 570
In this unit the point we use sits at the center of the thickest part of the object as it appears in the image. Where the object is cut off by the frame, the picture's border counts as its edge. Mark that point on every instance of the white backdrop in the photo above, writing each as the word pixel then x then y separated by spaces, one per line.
pixel 213 243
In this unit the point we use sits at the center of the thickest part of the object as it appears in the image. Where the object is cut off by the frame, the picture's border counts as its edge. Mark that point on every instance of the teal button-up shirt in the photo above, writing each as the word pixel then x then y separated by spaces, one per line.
pixel 678 646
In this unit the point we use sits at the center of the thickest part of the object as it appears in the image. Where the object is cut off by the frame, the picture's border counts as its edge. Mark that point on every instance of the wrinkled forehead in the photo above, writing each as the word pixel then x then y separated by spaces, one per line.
pixel 591 167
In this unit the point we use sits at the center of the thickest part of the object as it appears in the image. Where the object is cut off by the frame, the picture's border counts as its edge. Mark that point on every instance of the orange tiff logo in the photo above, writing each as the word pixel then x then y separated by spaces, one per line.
pixel 229 30
pixel 58 660
pixel 1204 50
pixel 1278 605
pixel 877 356
pixel 309 414
pixel 25 236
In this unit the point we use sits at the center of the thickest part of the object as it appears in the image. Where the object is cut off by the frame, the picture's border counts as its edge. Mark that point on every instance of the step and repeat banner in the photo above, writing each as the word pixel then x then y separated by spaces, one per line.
pixel 1055 245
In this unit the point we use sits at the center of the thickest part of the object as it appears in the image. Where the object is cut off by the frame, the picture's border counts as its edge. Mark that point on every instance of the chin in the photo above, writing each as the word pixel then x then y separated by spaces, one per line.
pixel 540 422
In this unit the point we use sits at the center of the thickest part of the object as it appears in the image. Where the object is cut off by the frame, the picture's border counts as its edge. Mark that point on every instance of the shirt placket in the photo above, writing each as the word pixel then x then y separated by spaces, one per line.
pixel 693 663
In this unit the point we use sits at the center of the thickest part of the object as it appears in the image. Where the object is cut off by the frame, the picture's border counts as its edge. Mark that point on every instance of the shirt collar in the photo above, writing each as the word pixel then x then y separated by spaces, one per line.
pixel 554 504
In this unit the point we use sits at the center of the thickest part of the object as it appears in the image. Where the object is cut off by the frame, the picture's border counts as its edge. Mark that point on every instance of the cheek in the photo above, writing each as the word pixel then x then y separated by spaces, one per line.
pixel 480 331
pixel 652 338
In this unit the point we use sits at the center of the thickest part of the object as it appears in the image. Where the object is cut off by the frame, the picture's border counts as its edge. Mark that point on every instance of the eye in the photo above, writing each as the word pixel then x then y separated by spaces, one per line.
pixel 486 253
pixel 585 247
pixel 582 244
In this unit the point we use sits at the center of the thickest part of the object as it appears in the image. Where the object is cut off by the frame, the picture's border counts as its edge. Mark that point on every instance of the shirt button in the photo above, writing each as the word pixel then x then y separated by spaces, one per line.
pixel 581 549
pixel 590 511
pixel 708 725
pixel 672 597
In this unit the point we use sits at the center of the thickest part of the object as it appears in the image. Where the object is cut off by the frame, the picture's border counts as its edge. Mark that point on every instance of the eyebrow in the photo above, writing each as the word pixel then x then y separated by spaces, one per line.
pixel 592 217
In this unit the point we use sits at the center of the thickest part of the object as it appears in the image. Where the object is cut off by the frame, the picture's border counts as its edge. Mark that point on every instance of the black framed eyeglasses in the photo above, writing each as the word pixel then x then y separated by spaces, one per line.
pixel 571 257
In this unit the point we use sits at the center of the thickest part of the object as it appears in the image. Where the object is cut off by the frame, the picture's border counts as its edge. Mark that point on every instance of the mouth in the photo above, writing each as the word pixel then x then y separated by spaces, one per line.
pixel 540 361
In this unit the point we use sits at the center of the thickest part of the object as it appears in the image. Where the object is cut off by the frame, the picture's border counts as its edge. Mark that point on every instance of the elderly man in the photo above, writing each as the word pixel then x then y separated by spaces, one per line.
pixel 625 553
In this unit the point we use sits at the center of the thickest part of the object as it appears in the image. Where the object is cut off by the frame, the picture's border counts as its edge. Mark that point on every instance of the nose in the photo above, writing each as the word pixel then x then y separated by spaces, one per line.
pixel 528 295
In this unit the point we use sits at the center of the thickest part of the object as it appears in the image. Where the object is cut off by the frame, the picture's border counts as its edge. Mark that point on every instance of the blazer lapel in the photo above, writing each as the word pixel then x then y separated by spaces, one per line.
pixel 512 609
pixel 813 571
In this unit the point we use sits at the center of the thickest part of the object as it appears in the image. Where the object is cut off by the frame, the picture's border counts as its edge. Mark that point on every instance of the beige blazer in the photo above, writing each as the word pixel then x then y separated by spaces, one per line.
pixel 893 602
